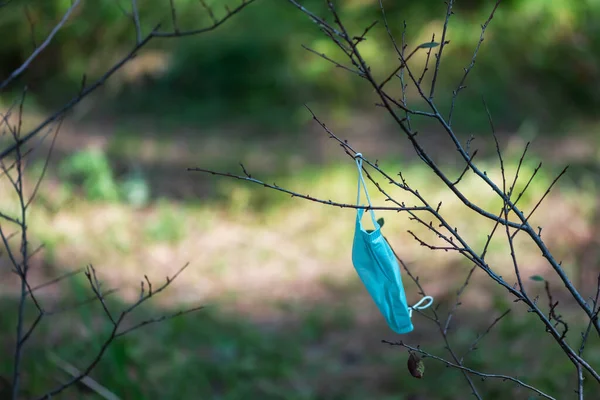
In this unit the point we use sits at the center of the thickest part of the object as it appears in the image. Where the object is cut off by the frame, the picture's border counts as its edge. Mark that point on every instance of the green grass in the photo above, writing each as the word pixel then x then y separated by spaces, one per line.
pixel 286 316
pixel 167 225
pixel 320 352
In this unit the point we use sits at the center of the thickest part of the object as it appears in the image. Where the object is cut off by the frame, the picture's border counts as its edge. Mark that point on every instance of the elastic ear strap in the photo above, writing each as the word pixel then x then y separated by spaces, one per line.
pixel 418 306
pixel 361 179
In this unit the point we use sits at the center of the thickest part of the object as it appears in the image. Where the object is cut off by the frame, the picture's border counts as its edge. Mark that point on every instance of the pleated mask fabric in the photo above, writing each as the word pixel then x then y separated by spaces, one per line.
pixel 378 268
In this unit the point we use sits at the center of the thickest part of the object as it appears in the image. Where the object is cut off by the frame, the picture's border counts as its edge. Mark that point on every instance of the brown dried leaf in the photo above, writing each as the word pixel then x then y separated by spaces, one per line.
pixel 416 366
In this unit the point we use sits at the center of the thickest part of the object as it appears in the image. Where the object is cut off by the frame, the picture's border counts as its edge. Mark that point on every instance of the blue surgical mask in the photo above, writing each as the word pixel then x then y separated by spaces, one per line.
pixel 378 269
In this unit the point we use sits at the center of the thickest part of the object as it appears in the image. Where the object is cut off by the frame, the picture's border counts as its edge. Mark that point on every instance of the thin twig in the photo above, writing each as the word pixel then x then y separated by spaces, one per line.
pixel 516 178
pixel 443 43
pixel 546 193
pixel 584 338
pixel 209 11
pixel 116 332
pixel 136 21
pixel 533 175
pixel 174 17
pixel 504 221
pixel 192 32
pixel 90 299
pixel 552 315
pixel 31 26
pixel 41 48
pixel 155 33
pixel 399 68
pixel 469 370
pixel 468 69
pixel 426 67
pixel 274 186
pixel 56 280
pixel 337 64
pixel 90 274
pixel 473 345
pixel 159 319
pixel 457 303
pixel 46 162
pixel 87 381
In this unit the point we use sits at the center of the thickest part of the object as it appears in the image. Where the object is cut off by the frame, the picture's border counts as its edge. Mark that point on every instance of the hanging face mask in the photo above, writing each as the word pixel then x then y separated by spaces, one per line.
pixel 377 267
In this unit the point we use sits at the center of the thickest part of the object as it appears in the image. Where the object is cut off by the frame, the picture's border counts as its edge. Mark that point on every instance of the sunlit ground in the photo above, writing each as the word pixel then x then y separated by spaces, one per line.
pixel 286 316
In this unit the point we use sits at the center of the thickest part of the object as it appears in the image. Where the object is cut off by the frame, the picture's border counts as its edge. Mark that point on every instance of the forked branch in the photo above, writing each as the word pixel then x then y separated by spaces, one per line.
pixel 337 32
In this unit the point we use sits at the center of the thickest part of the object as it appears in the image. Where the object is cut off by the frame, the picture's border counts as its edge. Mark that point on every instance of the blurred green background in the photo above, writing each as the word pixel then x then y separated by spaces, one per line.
pixel 286 316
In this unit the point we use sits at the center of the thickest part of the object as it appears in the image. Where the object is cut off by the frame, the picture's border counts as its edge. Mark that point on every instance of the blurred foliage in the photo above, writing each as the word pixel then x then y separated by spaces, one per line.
pixel 539 60
pixel 166 225
pixel 91 172
pixel 216 354
pixel 320 348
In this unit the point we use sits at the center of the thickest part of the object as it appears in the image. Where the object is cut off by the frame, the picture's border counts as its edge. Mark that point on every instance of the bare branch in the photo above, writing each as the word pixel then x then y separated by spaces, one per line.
pixel 521 159
pixel 41 48
pixel 426 67
pixel 91 299
pixel 20 259
pixel 116 325
pixel 427 159
pixel 159 319
pixel 21 267
pixel 337 64
pixel 552 315
pixel 443 332
pixel 547 192
pixel 596 307
pixel 401 66
pixel 342 40
pixel 469 370
pixel 136 21
pixel 465 170
pixel 535 171
pixel 174 17
pixel 209 11
pixel 457 303
pixel 45 167
pixel 584 338
pixel 482 335
pixel 117 66
pixel 31 26
pixel 274 186
pixel 453 247
pixel 215 25
pixel 443 43
pixel 87 381
pixel 56 280
pixel 468 69
pixel 90 274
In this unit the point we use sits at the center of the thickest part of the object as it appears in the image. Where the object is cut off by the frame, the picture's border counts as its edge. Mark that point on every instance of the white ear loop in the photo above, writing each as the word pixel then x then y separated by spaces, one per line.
pixel 418 306
pixel 358 158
